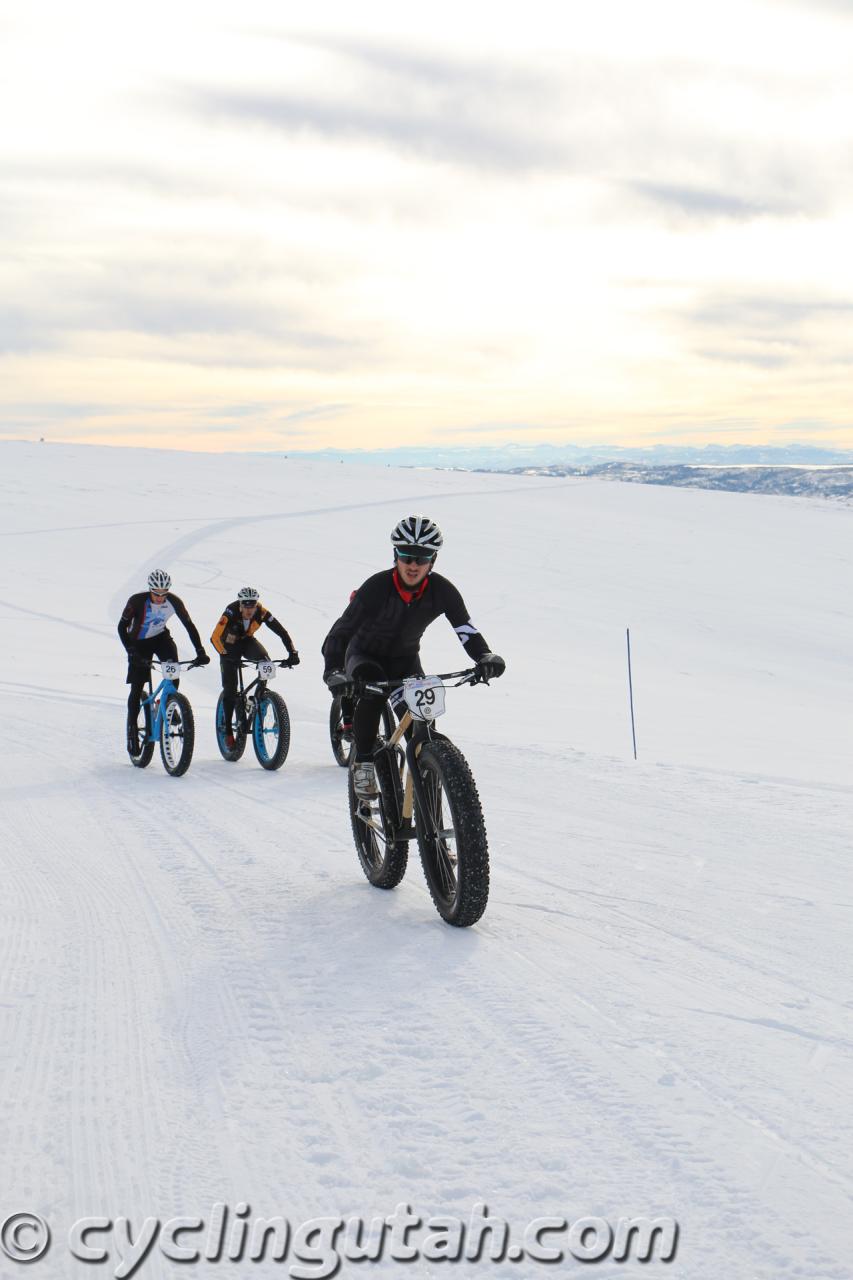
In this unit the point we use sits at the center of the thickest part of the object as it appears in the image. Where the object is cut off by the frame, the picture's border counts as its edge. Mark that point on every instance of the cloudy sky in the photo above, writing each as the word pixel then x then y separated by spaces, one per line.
pixel 263 225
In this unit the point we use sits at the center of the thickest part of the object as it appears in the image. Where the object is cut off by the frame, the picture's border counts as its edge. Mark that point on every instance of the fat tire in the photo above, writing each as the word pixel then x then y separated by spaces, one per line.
pixel 277 759
pixel 239 733
pixel 179 769
pixel 341 746
pixel 384 865
pixel 146 755
pixel 442 763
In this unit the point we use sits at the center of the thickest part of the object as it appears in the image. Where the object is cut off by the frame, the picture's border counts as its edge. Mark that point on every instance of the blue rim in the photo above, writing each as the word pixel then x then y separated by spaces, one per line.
pixel 260 732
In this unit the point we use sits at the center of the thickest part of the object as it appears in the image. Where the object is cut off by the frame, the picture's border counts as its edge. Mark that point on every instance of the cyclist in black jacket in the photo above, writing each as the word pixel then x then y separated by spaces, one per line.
pixel 378 635
pixel 234 638
pixel 143 631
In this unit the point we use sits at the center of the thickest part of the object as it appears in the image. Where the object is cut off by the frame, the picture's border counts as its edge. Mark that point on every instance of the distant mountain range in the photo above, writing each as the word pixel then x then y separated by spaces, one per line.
pixel 794 469
pixel 511 457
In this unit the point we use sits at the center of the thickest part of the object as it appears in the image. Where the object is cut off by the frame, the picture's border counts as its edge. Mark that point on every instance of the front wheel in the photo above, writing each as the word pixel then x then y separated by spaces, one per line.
pixel 271 731
pixel 177 735
pixel 452 835
pixel 239 733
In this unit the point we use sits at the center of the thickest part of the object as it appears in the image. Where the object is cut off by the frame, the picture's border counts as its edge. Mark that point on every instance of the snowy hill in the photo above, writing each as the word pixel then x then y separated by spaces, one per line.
pixel 204 1002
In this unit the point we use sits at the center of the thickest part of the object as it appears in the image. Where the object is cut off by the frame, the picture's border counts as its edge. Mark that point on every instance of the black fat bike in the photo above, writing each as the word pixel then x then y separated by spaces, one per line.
pixel 427 792
pixel 259 714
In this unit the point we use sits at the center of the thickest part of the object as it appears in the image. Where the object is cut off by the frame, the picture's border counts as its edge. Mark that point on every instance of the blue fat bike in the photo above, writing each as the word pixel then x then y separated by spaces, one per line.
pixel 259 714
pixel 426 791
pixel 165 716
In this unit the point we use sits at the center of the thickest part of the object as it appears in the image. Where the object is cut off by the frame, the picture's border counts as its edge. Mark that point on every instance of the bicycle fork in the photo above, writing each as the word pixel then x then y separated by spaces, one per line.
pixel 415 790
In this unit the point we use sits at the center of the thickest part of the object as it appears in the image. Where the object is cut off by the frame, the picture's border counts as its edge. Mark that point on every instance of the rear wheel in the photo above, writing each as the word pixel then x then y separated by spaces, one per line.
pixel 341 738
pixel 238 730
pixel 383 857
pixel 271 731
pixel 177 735
pixel 139 746
pixel 452 835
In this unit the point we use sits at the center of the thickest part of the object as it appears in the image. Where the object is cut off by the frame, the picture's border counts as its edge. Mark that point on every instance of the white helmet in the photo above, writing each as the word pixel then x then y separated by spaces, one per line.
pixel 159 580
pixel 248 595
pixel 416 531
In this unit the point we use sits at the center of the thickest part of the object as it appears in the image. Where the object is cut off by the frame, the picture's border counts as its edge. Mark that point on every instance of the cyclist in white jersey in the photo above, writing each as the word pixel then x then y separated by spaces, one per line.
pixel 143 630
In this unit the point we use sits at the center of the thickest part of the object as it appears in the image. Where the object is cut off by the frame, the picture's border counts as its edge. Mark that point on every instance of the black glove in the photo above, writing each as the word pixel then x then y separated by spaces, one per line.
pixel 201 658
pixel 336 681
pixel 293 659
pixel 490 666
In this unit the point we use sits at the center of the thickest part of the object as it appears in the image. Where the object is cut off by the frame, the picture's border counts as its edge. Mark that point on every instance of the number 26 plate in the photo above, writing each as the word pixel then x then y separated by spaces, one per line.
pixel 424 697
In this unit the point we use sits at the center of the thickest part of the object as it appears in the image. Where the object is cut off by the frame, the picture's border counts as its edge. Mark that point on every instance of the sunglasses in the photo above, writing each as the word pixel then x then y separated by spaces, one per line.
pixel 416 557
pixel 159 595
pixel 248 604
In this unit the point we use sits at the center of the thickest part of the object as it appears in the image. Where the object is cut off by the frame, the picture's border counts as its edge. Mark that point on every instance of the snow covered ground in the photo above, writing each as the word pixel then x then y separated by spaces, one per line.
pixel 203 1002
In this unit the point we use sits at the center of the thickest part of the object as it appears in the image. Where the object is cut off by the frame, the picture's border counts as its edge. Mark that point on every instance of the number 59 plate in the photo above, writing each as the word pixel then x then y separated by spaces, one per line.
pixel 424 697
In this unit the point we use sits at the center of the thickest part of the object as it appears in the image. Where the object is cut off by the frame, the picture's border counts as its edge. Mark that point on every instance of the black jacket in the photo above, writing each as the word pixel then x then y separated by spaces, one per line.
pixel 133 616
pixel 229 630
pixel 386 620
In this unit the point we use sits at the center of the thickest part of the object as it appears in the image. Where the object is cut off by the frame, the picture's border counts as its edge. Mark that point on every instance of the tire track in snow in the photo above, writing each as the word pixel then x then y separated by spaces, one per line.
pixel 173 551
pixel 602 1074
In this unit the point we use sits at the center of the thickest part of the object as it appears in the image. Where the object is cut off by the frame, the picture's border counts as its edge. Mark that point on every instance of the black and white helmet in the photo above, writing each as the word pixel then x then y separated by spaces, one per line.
pixel 159 580
pixel 416 531
pixel 248 595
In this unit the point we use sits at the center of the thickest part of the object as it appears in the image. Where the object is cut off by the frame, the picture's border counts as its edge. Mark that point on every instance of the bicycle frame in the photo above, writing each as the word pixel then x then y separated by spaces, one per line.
pixel 157 700
pixel 423 730
pixel 244 691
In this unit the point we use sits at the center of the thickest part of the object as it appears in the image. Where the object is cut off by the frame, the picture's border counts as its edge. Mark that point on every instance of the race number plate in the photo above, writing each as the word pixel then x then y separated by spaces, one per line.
pixel 171 670
pixel 266 670
pixel 424 697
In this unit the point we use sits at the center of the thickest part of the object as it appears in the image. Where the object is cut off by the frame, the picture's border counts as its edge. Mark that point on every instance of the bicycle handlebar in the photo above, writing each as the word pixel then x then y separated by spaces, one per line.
pixel 470 676
pixel 150 662
pixel 254 662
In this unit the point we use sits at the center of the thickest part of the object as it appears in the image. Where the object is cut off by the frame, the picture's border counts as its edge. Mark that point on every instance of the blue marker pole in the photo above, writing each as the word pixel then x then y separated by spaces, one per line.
pixel 631 693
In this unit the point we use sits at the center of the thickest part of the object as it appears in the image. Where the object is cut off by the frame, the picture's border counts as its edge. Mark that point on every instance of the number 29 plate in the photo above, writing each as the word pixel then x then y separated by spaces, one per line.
pixel 424 696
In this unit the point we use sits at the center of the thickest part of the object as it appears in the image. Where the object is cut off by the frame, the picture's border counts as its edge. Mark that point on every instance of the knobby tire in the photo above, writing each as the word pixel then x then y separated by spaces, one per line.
pixel 178 725
pixel 456 870
pixel 281 716
pixel 383 857
pixel 239 732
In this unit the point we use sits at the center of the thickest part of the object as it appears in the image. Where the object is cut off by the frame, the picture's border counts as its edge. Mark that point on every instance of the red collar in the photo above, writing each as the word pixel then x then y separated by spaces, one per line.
pixel 403 591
